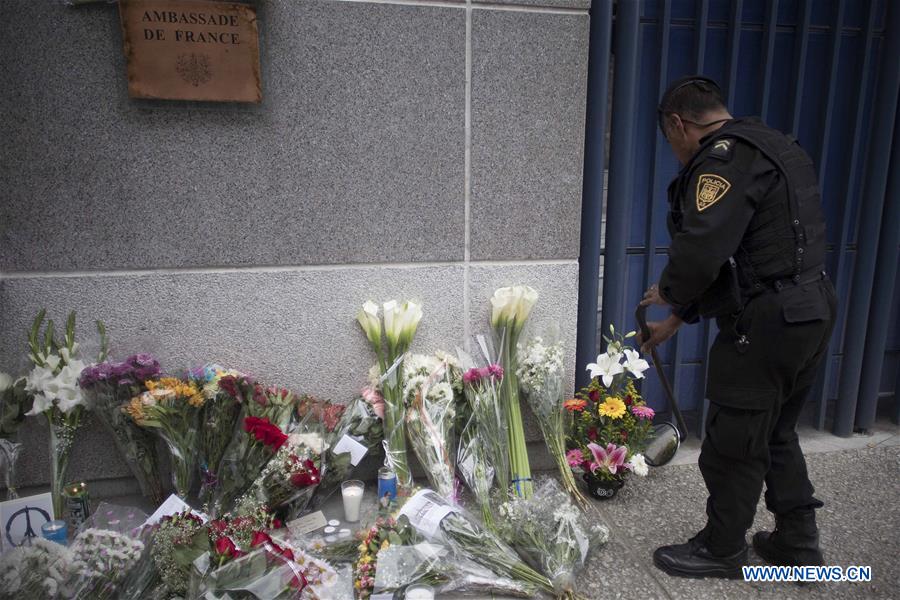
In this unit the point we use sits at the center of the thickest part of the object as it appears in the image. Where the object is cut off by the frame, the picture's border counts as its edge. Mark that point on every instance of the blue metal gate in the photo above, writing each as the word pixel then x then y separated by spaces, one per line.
pixel 828 72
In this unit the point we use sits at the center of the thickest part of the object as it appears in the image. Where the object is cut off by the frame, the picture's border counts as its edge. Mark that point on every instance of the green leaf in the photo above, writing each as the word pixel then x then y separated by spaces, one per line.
pixel 104 341
pixel 49 342
pixel 70 331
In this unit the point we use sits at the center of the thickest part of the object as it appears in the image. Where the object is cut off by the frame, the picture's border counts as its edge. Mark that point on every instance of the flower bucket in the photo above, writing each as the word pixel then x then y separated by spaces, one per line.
pixel 602 489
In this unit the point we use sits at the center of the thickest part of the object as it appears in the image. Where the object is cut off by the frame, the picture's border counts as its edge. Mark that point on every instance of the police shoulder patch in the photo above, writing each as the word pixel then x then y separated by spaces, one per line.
pixel 722 149
pixel 710 189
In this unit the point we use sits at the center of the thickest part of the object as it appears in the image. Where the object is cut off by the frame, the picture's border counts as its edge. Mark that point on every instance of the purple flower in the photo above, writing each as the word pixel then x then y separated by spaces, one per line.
pixel 471 376
pixel 496 371
pixel 144 366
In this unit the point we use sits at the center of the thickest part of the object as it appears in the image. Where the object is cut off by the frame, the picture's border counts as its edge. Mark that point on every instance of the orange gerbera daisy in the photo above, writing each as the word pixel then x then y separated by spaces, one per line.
pixel 574 404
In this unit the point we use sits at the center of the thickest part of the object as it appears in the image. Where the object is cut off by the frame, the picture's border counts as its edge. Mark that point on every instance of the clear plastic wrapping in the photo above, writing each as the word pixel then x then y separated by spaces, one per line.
pixel 431 421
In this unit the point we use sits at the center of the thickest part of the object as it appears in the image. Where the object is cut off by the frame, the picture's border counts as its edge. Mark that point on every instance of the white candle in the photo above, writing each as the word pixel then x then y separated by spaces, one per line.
pixel 419 592
pixel 352 492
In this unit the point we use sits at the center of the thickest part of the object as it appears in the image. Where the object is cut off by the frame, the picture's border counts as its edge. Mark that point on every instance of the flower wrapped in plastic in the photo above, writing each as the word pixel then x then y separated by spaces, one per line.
pixel 541 381
pixel 358 433
pixel 53 384
pixel 431 420
pixel 38 570
pixel 287 481
pixel 177 541
pixel 440 521
pixel 551 534
pixel 510 308
pixel 226 391
pixel 390 337
pixel 104 553
pixel 267 415
pixel 15 402
pixel 483 457
pixel 171 408
pixel 108 386
pixel 271 569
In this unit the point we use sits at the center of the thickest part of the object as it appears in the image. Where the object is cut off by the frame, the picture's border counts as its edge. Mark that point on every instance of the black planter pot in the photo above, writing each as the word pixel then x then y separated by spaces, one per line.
pixel 602 489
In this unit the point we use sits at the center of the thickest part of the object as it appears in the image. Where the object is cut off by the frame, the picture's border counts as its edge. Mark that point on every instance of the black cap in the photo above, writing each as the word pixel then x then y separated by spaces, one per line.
pixel 686 81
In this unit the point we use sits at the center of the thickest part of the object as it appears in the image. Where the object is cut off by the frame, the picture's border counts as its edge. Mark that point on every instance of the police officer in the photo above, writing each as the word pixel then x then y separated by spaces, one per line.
pixel 748 247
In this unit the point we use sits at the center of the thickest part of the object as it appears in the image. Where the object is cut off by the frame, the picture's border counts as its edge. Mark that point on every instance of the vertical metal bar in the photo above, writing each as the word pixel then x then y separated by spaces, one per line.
pixel 883 289
pixel 769 50
pixel 592 197
pixel 856 343
pixel 845 427
pixel 621 163
pixel 700 34
pixel 820 391
pixel 734 48
pixel 665 28
pixel 801 43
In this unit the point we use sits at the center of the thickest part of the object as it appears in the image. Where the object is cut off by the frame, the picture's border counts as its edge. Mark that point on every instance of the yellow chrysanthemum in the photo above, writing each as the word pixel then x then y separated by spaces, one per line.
pixel 196 400
pixel 612 407
pixel 135 409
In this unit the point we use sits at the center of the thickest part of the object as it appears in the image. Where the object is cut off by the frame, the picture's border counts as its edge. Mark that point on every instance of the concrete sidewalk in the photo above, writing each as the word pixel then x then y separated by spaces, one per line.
pixel 858 479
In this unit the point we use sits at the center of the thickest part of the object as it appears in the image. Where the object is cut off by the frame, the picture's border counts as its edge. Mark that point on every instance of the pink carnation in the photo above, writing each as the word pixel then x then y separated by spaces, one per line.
pixel 574 458
pixel 375 399
pixel 642 412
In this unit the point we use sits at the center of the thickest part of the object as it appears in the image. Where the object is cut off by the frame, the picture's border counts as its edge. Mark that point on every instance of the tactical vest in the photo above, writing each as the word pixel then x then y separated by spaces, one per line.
pixel 786 236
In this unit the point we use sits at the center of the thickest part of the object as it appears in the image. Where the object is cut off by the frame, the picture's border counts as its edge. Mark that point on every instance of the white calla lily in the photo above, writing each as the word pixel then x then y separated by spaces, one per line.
pixel 371 324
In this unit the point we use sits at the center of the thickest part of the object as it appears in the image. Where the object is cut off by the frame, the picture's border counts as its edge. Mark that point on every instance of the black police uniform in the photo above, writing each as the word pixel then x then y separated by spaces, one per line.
pixel 748 246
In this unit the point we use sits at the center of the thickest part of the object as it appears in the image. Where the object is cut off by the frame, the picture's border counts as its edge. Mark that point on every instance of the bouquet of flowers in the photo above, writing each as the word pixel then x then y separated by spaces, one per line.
pixel 292 474
pixel 438 520
pixel 541 383
pixel 171 407
pixel 431 419
pixel 107 387
pixel 611 423
pixel 39 570
pixel 15 402
pixel 53 383
pixel 360 423
pixel 176 543
pixel 549 532
pixel 400 323
pixel 510 309
pixel 225 391
pixel 385 533
pixel 274 570
pixel 259 441
pixel 101 560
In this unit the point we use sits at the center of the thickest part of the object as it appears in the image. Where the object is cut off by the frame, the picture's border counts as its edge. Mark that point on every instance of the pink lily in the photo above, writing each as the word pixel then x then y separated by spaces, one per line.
pixel 611 458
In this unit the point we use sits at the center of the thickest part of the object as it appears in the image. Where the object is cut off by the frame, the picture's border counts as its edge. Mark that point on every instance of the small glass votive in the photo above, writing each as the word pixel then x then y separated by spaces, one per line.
pixel 352 492
pixel 56 531
pixel 419 591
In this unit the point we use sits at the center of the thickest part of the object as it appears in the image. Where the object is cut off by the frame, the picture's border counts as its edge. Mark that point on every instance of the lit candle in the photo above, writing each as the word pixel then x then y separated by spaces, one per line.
pixel 352 491
pixel 56 531
pixel 419 592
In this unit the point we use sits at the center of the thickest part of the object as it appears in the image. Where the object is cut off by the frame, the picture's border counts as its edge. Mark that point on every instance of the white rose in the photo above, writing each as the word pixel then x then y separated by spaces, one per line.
pixel 639 465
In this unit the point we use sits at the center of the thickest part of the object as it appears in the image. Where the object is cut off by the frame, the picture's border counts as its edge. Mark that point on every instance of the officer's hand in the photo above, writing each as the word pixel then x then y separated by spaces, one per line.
pixel 651 296
pixel 660 331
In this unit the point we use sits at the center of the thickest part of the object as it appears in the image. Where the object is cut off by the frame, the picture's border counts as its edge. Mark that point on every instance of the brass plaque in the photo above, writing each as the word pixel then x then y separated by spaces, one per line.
pixel 191 50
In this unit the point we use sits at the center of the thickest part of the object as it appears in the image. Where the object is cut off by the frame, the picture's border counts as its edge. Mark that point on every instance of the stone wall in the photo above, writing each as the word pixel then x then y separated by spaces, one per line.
pixel 422 150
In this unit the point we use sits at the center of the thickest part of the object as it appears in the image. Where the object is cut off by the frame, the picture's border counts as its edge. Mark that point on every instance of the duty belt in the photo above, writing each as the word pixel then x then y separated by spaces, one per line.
pixel 808 276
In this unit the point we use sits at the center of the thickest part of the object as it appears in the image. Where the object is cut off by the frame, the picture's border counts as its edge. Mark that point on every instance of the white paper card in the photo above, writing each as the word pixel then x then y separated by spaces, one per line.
pixel 425 512
pixel 22 518
pixel 307 523
pixel 173 505
pixel 348 444
pixel 381 597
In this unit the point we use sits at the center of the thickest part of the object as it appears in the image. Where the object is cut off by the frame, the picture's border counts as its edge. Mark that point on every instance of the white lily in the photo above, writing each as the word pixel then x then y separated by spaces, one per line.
pixel 606 367
pixel 369 321
pixel 635 364
pixel 411 314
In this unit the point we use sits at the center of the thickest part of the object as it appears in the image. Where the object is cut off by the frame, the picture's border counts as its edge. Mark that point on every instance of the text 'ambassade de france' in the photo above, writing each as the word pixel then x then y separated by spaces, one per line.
pixel 191 18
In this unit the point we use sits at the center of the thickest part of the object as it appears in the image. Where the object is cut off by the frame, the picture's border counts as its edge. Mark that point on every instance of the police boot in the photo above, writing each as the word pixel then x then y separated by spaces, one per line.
pixel 694 559
pixel 795 541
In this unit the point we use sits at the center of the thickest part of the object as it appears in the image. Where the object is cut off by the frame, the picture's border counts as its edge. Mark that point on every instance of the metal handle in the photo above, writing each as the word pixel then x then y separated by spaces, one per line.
pixel 641 315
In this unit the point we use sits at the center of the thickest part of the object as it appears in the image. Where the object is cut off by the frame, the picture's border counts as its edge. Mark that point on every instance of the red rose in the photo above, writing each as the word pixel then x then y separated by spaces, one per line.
pixel 624 435
pixel 592 434
pixel 594 395
pixel 225 547
pixel 218 526
pixel 259 538
pixel 628 400
pixel 298 581
pixel 277 524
